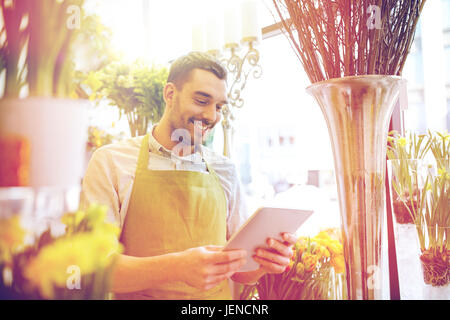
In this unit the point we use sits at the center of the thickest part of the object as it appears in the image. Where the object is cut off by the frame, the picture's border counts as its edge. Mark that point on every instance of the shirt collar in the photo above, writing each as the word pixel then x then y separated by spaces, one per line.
pixel 155 147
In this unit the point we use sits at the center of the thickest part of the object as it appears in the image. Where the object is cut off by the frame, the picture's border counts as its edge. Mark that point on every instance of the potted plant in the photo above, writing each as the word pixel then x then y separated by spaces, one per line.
pixel 136 89
pixel 420 182
pixel 38 104
pixel 405 155
pixel 432 216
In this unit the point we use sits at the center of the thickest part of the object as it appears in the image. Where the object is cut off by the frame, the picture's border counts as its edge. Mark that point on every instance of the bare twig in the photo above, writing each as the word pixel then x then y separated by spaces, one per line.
pixel 337 38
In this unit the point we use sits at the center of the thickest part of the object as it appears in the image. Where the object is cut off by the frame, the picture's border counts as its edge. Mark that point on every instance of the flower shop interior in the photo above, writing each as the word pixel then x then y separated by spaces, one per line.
pixel 340 108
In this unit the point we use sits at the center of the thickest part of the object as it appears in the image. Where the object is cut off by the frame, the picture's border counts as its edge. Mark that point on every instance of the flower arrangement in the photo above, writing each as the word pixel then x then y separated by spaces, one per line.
pixel 425 193
pixel 316 272
pixel 75 265
pixel 136 89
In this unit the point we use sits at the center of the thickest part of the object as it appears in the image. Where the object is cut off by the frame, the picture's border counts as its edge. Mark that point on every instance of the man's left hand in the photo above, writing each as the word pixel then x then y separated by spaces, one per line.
pixel 277 256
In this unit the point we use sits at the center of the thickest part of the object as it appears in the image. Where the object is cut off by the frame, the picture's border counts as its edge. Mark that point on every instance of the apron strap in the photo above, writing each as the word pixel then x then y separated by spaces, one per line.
pixel 142 164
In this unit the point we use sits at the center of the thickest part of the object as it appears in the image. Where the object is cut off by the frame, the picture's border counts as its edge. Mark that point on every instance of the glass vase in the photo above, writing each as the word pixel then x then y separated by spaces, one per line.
pixel 357 111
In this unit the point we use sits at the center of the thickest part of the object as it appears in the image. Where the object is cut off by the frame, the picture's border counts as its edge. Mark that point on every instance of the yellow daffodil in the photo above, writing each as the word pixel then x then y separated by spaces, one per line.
pixel 309 260
pixel 89 251
pixel 300 269
pixel 93 81
pixel 402 141
pixel 11 236
pixel 442 173
pixel 338 263
pixel 322 252
pixel 96 214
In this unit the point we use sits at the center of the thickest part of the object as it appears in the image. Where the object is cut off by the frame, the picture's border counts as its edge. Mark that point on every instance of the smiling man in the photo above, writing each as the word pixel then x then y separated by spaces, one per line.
pixel 176 211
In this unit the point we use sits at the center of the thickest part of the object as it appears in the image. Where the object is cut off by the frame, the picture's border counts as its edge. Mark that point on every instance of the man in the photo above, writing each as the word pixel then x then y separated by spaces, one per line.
pixel 176 201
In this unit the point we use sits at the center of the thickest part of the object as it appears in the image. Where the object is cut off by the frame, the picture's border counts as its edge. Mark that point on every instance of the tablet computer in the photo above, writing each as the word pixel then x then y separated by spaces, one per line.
pixel 264 223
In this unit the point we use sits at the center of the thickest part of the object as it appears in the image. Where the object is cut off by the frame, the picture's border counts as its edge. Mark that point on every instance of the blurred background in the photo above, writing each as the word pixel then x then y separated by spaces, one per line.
pixel 280 142
pixel 65 61
pixel 280 139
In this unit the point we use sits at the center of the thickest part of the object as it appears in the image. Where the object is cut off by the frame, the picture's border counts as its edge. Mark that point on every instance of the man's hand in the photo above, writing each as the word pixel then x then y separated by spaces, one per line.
pixel 276 258
pixel 205 267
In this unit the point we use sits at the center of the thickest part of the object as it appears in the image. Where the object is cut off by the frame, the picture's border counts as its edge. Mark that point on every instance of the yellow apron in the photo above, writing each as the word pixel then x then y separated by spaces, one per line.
pixel 171 211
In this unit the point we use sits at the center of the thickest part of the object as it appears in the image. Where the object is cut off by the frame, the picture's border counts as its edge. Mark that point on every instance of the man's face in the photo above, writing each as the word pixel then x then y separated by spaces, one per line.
pixel 196 107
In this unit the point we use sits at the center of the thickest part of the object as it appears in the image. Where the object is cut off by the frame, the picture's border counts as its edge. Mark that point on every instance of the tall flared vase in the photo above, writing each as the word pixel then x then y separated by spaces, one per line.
pixel 357 111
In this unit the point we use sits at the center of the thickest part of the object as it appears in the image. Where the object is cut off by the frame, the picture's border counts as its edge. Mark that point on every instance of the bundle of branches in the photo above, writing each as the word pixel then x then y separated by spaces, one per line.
pixel 338 38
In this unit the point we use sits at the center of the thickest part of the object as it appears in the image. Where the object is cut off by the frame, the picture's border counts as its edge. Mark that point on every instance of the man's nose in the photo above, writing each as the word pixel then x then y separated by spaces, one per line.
pixel 210 115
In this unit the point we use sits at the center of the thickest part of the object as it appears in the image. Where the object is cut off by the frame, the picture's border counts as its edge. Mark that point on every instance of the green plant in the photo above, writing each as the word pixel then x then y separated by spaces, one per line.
pixel 440 148
pixel 14 35
pixel 136 89
pixel 406 155
pixel 425 192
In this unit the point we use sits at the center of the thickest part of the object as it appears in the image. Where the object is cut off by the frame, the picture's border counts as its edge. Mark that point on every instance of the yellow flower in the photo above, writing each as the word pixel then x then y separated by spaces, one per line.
pixel 401 141
pixel 93 82
pixel 300 269
pixel 309 260
pixel 89 251
pixel 96 214
pixel 73 219
pixel 442 172
pixel 11 236
pixel 335 248
pixel 322 252
pixel 323 235
pixel 338 263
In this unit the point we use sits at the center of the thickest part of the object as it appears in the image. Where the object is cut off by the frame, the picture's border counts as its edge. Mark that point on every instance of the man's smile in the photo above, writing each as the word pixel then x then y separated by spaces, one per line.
pixel 200 126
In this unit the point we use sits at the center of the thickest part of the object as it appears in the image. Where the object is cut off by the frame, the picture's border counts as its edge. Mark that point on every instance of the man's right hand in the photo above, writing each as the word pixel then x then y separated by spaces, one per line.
pixel 205 267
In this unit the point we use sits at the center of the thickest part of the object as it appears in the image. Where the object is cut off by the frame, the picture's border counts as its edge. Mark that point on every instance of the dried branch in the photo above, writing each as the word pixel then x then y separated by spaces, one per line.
pixel 337 38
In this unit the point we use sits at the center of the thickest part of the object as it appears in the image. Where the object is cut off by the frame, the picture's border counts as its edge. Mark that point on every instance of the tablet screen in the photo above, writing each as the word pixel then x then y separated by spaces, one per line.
pixel 264 223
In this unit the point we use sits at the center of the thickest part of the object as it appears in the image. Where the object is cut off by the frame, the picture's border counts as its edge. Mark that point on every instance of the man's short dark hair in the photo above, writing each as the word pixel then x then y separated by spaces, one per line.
pixel 182 67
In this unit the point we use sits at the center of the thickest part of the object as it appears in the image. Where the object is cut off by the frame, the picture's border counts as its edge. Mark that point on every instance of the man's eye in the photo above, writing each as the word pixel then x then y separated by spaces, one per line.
pixel 219 107
pixel 202 102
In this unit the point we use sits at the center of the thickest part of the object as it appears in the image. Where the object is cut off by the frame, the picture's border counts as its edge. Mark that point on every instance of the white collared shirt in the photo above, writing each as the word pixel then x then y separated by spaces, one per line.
pixel 110 175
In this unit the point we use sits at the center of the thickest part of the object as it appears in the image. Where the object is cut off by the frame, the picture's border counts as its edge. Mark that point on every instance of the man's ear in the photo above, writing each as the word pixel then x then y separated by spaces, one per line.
pixel 168 93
